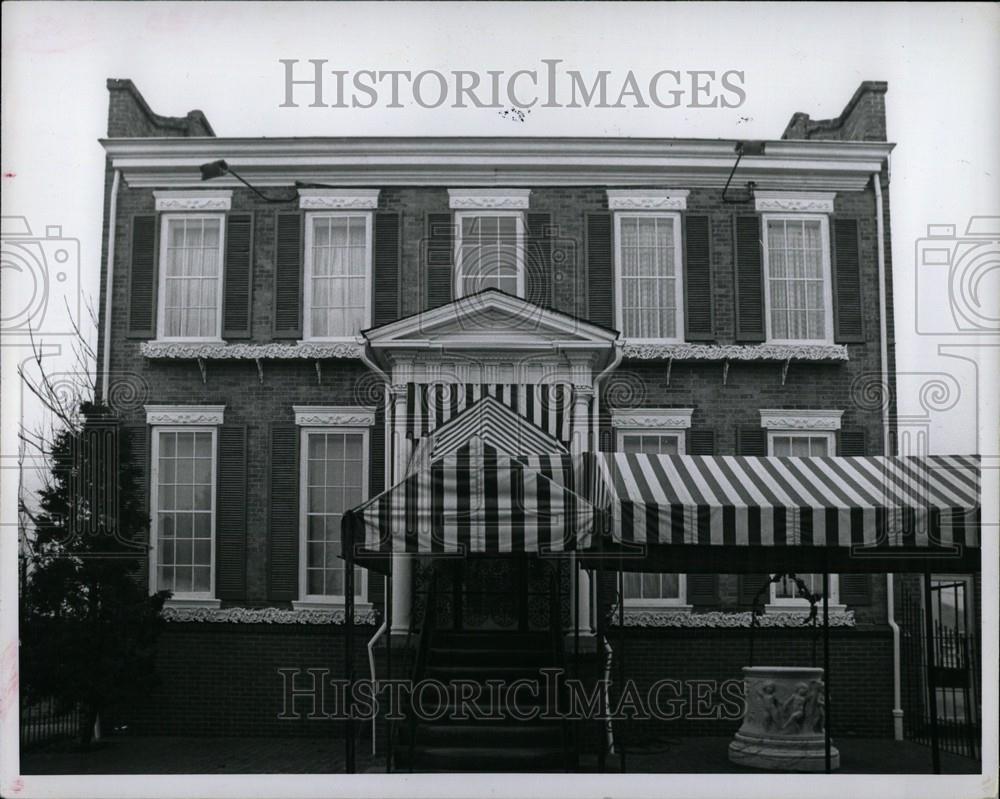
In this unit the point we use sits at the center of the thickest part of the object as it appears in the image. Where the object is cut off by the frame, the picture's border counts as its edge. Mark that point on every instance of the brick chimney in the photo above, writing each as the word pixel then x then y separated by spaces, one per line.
pixel 130 116
pixel 863 118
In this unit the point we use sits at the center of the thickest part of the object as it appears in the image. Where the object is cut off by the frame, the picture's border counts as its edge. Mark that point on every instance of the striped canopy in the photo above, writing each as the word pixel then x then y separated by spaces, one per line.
pixel 739 514
pixel 476 503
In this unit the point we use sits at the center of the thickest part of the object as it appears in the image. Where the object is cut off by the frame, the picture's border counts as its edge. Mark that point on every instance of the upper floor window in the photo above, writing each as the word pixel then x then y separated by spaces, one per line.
pixel 797 292
pixel 648 274
pixel 489 252
pixel 190 291
pixel 338 254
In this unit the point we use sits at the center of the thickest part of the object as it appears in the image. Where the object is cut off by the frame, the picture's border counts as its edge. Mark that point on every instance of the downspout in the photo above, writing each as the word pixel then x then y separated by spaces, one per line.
pixel 890 594
pixel 108 283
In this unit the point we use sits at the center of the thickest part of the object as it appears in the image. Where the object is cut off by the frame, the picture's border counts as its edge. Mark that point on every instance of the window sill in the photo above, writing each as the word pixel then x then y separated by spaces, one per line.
pixel 777 607
pixel 653 604
pixel 329 604
pixel 192 602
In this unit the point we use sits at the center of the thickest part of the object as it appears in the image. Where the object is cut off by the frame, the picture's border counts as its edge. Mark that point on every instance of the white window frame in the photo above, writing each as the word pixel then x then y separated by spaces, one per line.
pixel 824 224
pixel 519 244
pixel 675 217
pixel 360 585
pixel 680 434
pixel 307 260
pixel 161 281
pixel 828 435
pixel 196 598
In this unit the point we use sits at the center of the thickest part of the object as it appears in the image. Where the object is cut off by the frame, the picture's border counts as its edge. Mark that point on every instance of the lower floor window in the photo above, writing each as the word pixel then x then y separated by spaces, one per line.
pixel 785 591
pixel 789 445
pixel 334 480
pixel 652 587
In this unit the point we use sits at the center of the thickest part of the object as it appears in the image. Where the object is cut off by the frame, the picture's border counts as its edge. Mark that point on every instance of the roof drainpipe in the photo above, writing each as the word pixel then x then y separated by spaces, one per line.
pixel 890 595
pixel 108 283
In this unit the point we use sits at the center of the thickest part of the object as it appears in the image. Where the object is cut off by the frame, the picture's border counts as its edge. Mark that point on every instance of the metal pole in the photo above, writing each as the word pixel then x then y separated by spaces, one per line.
pixel 621 654
pixel 601 655
pixel 388 661
pixel 931 691
pixel 348 536
pixel 826 668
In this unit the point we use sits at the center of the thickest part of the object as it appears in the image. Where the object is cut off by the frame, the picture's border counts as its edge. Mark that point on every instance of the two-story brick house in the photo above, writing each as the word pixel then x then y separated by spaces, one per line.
pixel 293 340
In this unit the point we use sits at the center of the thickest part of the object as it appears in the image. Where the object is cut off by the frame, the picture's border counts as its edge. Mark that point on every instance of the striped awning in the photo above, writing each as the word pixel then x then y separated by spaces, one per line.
pixel 477 503
pixel 719 513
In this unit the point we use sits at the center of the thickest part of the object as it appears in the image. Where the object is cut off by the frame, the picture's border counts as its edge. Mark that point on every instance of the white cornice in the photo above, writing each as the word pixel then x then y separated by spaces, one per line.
pixel 495 162
pixel 204 200
pixel 185 414
pixel 652 418
pixel 331 199
pixel 333 416
pixel 774 419
pixel 475 199
pixel 813 201
pixel 647 199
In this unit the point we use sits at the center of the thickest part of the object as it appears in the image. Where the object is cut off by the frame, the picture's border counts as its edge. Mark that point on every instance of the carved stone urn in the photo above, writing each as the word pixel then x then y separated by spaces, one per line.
pixel 784 720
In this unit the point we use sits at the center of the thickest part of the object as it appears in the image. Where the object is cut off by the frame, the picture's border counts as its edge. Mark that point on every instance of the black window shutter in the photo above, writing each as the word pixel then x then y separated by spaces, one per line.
pixel 698 310
pixel 538 263
pixel 385 268
pixel 749 585
pixel 138 455
pixel 848 325
pixel 601 269
pixel 142 277
pixel 283 542
pixel 377 454
pixel 750 325
pixel 700 441
pixel 288 275
pixel 856 589
pixel 230 533
pixel 851 442
pixel 438 256
pixel 238 276
pixel 751 440
pixel 703 589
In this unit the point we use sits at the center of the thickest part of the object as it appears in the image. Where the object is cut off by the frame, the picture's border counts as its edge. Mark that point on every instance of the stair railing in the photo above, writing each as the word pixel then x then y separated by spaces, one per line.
pixel 423 645
pixel 559 658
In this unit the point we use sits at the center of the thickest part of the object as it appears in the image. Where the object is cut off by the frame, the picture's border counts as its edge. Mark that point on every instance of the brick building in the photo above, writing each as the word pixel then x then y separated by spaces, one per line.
pixel 292 341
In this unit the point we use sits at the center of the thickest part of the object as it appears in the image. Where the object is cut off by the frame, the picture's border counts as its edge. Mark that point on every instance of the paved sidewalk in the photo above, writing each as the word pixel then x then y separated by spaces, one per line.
pixel 172 755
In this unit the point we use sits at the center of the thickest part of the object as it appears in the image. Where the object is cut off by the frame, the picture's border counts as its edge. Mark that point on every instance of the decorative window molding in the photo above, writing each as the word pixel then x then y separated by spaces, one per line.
pixel 486 199
pixel 333 416
pixel 647 199
pixel 175 350
pixel 679 617
pixel 331 199
pixel 309 615
pixel 771 419
pixel 735 352
pixel 652 418
pixel 206 200
pixel 184 414
pixel 820 202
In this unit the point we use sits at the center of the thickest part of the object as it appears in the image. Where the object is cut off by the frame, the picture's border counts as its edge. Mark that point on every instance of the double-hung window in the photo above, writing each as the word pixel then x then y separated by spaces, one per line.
pixel 489 252
pixel 648 276
pixel 191 263
pixel 797 293
pixel 338 256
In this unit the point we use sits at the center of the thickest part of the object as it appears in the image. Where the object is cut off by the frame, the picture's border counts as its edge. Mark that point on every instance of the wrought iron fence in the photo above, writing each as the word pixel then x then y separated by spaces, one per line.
pixel 47 720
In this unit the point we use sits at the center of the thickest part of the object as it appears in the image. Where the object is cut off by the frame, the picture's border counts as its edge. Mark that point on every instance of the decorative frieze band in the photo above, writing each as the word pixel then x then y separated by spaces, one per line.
pixel 502 199
pixel 176 350
pixel 333 199
pixel 334 615
pixel 185 414
pixel 735 352
pixel 653 418
pixel 819 202
pixel 333 416
pixel 771 419
pixel 207 200
pixel 648 617
pixel 647 199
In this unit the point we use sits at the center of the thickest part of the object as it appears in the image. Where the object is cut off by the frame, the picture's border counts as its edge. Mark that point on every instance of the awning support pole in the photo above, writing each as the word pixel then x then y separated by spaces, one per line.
pixel 621 654
pixel 348 529
pixel 388 662
pixel 931 689
pixel 826 668
pixel 599 661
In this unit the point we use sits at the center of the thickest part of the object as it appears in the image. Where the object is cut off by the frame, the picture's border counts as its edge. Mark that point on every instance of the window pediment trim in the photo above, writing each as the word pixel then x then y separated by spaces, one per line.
pixel 207 200
pixel 772 419
pixel 184 414
pixel 489 199
pixel 333 199
pixel 647 199
pixel 652 418
pixel 334 416
pixel 820 202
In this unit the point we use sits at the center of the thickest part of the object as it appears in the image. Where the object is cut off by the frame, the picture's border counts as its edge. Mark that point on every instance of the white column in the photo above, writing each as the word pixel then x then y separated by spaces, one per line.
pixel 402 565
pixel 582 395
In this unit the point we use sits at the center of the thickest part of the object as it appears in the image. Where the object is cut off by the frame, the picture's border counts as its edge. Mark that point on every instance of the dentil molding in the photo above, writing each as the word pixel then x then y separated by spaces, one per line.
pixel 735 352
pixel 208 200
pixel 653 418
pixel 800 420
pixel 335 615
pixel 819 202
pixel 332 199
pixel 185 414
pixel 473 199
pixel 665 617
pixel 647 199
pixel 333 416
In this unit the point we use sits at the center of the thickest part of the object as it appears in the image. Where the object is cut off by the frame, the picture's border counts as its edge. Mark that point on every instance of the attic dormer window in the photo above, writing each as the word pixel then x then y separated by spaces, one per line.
pixel 489 241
